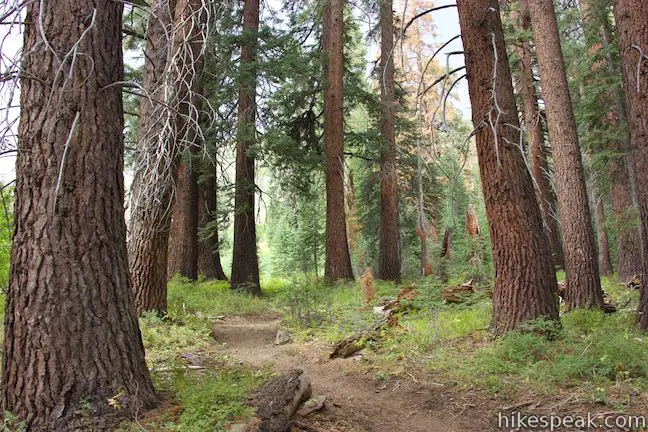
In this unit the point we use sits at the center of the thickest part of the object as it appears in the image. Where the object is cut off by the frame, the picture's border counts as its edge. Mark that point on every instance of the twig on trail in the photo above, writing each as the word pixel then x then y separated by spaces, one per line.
pixel 561 404
pixel 412 376
pixel 140 425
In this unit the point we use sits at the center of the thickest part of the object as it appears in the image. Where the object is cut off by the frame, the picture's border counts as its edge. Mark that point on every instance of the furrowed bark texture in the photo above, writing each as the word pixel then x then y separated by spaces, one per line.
pixel 150 219
pixel 191 17
pixel 183 241
pixel 337 263
pixel 245 262
pixel 537 148
pixel 583 286
pixel 71 333
pixel 632 33
pixel 524 277
pixel 389 263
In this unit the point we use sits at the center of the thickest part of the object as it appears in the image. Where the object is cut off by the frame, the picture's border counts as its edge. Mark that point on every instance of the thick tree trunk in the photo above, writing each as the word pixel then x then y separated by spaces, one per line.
pixel 183 246
pixel 71 333
pixel 209 262
pixel 338 259
pixel 605 264
pixel 524 277
pixel 245 262
pixel 152 189
pixel 183 241
pixel 632 33
pixel 389 266
pixel 533 125
pixel 620 170
pixel 583 286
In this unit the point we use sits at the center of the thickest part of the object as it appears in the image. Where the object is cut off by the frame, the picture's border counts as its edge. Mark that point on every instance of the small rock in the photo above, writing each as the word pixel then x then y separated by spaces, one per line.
pixel 380 310
pixel 311 405
pixel 283 337
pixel 192 358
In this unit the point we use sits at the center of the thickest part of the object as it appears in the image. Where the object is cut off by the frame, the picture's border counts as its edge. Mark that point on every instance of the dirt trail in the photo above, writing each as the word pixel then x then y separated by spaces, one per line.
pixel 354 401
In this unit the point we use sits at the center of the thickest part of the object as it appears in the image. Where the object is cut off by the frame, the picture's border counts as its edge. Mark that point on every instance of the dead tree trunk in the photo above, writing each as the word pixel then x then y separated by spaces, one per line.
pixel 338 259
pixel 632 34
pixel 389 266
pixel 71 333
pixel 245 262
pixel 583 286
pixel 524 277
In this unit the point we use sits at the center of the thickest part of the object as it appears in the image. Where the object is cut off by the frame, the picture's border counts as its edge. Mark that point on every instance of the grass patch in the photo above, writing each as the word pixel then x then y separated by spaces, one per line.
pixel 209 299
pixel 198 400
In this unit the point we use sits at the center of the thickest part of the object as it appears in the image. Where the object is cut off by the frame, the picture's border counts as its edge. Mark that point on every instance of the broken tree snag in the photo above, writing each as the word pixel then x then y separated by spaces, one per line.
pixel 368 287
pixel 278 400
pixel 390 310
pixel 458 293
pixel 472 222
pixel 446 247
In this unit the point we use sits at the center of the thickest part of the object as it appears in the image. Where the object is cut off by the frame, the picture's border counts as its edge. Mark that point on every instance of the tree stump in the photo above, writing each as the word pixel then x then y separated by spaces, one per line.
pixel 278 400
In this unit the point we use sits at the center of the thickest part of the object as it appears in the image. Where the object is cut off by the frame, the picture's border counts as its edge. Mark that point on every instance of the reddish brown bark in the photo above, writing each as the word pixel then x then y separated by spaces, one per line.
pixel 620 171
pixel 337 263
pixel 183 245
pixel 245 262
pixel 150 219
pixel 583 287
pixel 632 34
pixel 524 277
pixel 535 136
pixel 389 263
pixel 183 241
pixel 71 334
pixel 209 262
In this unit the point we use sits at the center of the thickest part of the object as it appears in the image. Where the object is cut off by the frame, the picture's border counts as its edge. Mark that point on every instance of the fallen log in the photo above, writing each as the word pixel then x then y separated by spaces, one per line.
pixel 458 293
pixel 355 342
pixel 390 311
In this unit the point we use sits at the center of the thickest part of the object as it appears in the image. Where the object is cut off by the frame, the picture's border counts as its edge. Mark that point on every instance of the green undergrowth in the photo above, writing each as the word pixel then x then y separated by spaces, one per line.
pixel 199 401
pixel 209 397
pixel 593 353
pixel 210 299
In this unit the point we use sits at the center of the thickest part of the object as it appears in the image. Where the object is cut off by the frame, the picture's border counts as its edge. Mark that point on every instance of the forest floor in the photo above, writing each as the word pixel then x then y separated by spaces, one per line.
pixel 439 369
pixel 355 402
